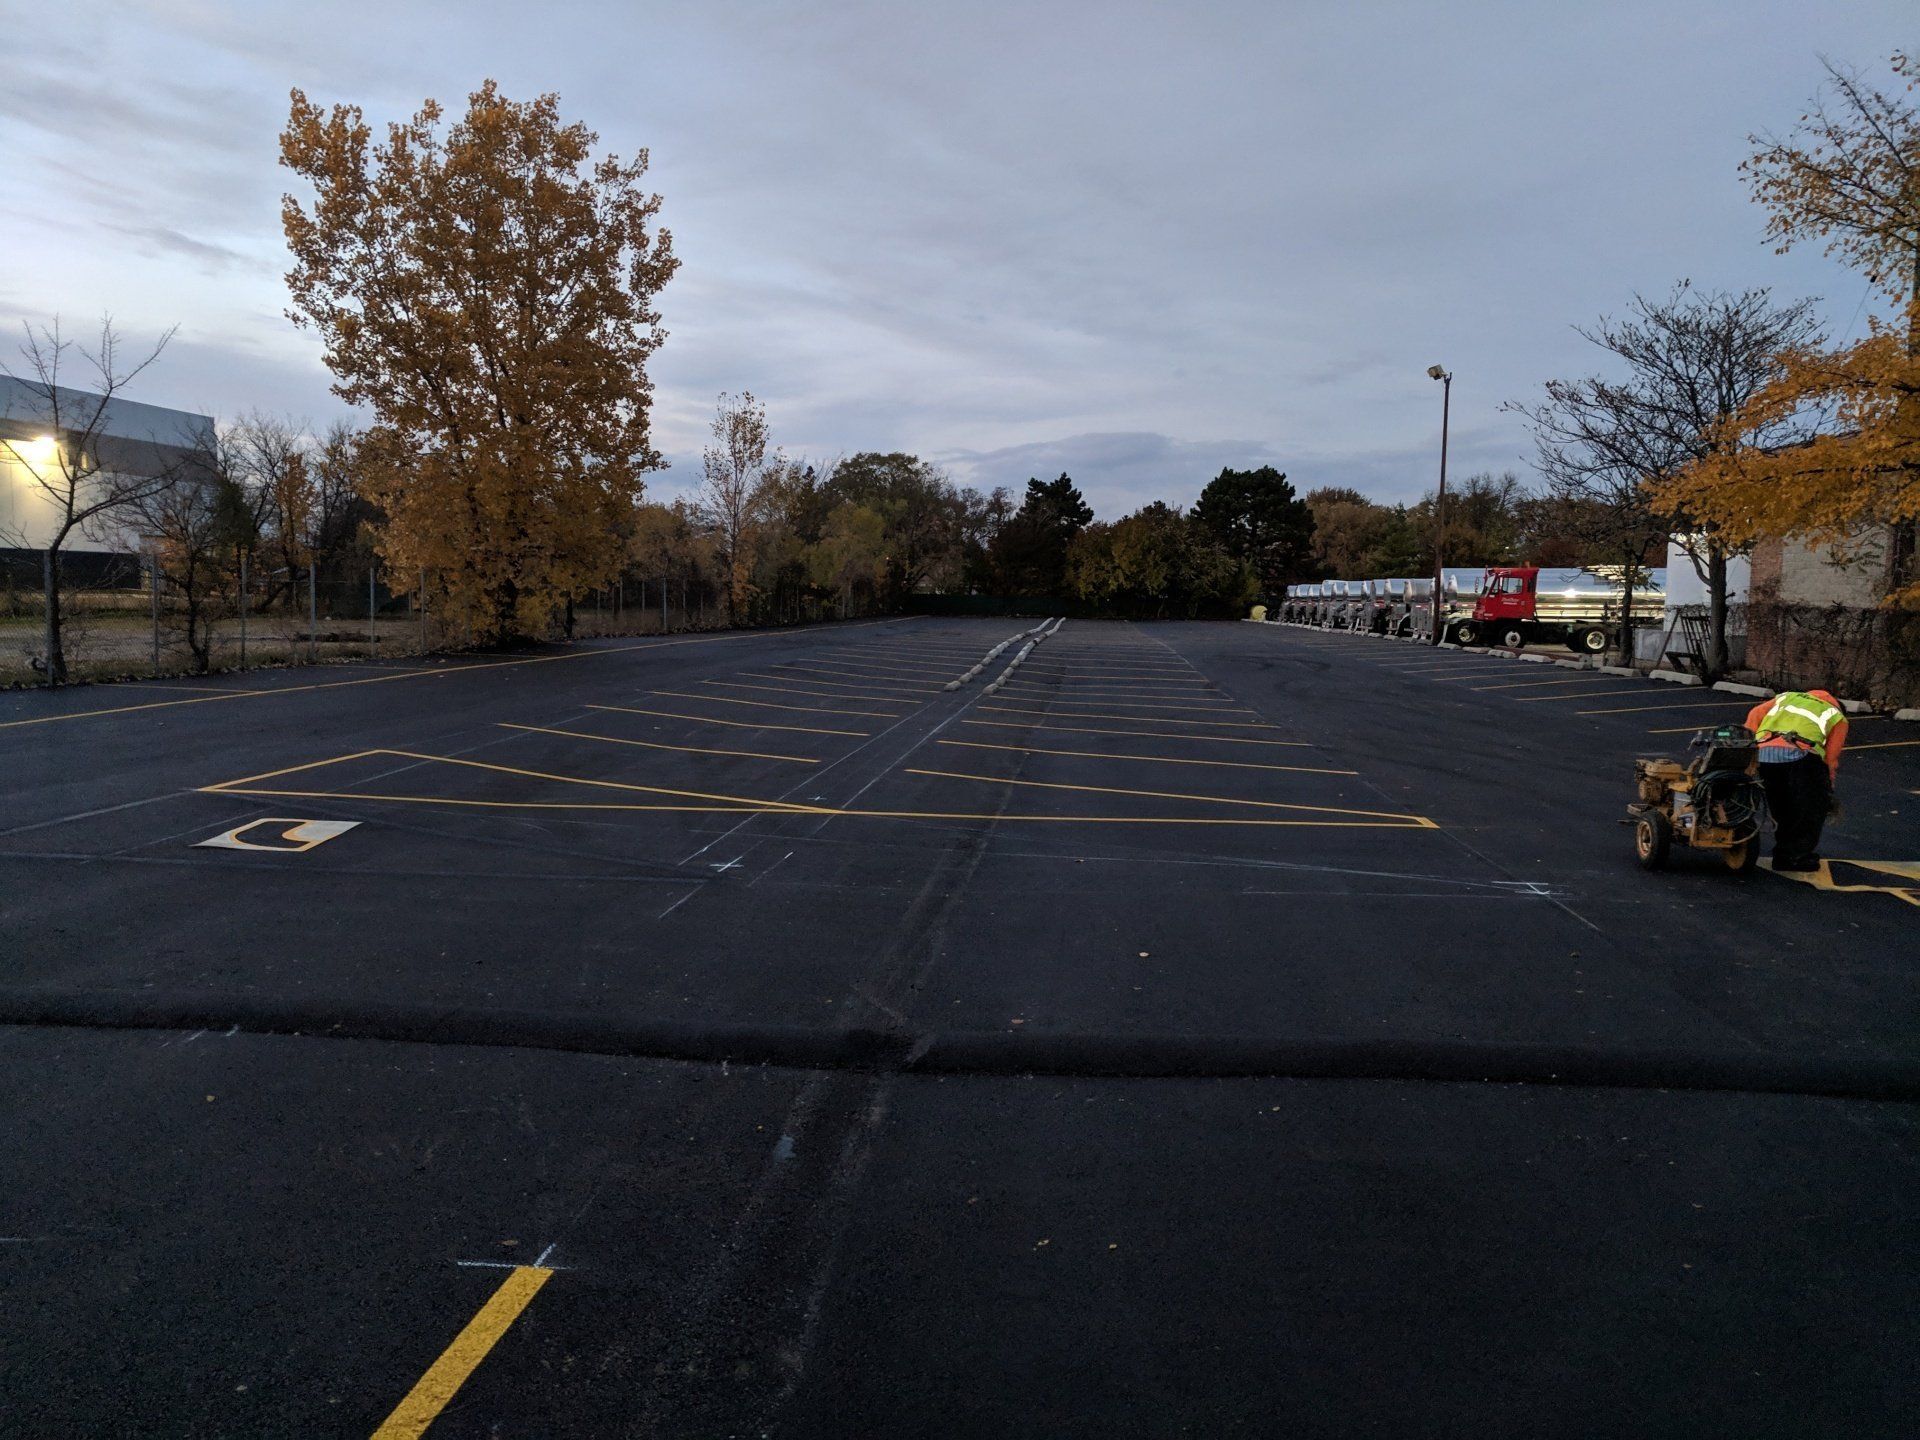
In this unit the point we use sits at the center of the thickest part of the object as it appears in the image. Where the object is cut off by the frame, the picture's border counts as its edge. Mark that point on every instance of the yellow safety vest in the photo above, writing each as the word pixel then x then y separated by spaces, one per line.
pixel 1800 716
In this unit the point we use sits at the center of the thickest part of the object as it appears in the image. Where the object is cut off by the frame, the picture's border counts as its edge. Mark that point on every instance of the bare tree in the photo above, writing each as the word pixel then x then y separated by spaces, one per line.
pixel 268 457
pixel 86 477
pixel 736 464
pixel 196 528
pixel 1606 446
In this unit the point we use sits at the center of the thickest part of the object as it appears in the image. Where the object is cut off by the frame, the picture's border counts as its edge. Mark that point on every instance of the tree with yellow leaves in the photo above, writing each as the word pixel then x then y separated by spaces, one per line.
pixel 1849 177
pixel 488 291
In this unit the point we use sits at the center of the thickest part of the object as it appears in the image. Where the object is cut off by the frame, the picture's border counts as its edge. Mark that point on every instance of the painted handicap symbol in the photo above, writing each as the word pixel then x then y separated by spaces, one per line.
pixel 278 835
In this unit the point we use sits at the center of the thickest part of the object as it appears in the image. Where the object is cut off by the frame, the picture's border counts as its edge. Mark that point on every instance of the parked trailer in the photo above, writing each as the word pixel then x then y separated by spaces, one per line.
pixel 1333 608
pixel 1581 609
pixel 1389 606
pixel 1418 617
pixel 1349 596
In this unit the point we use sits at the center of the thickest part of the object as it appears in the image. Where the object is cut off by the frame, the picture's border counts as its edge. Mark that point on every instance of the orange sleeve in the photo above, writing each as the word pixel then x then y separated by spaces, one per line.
pixel 1836 742
pixel 1757 714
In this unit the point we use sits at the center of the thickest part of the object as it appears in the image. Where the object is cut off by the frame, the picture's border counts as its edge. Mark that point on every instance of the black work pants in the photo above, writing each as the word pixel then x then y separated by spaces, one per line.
pixel 1798 793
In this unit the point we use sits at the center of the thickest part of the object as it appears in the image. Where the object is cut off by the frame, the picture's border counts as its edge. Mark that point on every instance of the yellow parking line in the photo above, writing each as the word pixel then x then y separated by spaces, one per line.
pixel 995 816
pixel 1529 684
pixel 1143 734
pixel 733 724
pixel 430 1394
pixel 1146 759
pixel 596 805
pixel 1681 705
pixel 1582 694
pixel 768 704
pixel 1881 745
pixel 826 672
pixel 817 694
pixel 923 673
pixel 561 779
pixel 293 769
pixel 1137 719
pixel 656 745
pixel 1042 687
pixel 863 689
pixel 1416 822
pixel 1070 673
pixel 1213 709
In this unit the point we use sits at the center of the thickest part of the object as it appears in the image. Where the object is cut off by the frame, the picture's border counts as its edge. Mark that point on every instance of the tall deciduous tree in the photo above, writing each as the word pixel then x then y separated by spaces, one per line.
pixel 1261 522
pixel 487 289
pixel 1848 177
pixel 1696 358
pixel 1610 447
pixel 731 493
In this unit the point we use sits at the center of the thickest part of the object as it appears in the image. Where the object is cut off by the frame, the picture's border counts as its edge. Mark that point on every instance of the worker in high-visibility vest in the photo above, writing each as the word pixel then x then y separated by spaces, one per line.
pixel 1801 734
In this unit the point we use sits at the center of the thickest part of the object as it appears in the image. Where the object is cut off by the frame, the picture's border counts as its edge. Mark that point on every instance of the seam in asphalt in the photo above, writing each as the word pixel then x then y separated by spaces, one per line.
pixel 1826 1075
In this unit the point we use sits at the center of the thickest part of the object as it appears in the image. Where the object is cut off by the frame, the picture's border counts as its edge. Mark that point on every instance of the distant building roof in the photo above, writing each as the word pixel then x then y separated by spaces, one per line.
pixel 24 415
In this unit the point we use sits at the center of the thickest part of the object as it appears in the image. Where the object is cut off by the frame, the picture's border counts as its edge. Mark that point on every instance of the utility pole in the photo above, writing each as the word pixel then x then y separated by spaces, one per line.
pixel 313 615
pixel 1445 377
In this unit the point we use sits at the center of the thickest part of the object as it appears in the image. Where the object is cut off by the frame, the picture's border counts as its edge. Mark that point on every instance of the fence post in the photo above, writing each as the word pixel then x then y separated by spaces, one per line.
pixel 423 611
pixel 243 609
pixel 313 615
pixel 153 561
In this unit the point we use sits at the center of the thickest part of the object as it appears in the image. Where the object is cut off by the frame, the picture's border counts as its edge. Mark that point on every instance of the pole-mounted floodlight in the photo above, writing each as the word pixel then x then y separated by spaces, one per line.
pixel 1445 377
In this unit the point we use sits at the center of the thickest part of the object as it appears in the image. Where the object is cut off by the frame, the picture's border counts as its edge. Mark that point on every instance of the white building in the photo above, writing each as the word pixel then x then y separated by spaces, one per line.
pixel 127 437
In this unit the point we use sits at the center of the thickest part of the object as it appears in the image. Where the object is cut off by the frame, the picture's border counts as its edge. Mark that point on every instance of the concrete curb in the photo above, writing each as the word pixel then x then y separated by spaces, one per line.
pixel 984 661
pixel 994 685
pixel 1732 688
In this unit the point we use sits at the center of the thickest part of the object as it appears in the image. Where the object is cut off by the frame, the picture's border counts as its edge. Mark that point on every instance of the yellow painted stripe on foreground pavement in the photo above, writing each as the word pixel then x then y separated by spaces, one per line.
pixel 1882 745
pixel 1415 822
pixel 1142 734
pixel 430 1394
pixel 1150 759
pixel 733 724
pixel 656 745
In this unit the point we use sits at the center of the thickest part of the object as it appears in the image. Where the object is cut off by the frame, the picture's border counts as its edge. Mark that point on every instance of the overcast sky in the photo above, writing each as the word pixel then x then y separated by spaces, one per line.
pixel 1132 242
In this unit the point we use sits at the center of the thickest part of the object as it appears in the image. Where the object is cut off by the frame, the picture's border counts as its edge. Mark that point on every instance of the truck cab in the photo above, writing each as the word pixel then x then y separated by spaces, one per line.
pixel 1525 605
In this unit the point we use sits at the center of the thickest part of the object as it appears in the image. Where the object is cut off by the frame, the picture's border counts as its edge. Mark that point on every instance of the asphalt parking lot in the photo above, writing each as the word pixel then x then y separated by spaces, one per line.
pixel 1218 1029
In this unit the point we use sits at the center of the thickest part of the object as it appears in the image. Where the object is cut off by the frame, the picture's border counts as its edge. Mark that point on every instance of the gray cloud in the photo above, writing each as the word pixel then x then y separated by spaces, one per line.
pixel 1131 241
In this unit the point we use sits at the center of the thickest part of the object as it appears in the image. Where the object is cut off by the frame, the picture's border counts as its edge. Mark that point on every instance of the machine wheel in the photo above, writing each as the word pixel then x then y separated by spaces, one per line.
pixel 1652 839
pixel 1592 640
pixel 1742 859
pixel 1514 638
pixel 1466 633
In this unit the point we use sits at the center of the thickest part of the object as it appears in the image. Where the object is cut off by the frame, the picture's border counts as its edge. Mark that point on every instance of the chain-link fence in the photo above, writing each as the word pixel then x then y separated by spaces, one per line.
pixel 137 620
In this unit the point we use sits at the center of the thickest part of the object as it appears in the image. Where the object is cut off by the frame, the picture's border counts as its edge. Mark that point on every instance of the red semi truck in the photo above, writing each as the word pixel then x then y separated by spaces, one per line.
pixel 1525 605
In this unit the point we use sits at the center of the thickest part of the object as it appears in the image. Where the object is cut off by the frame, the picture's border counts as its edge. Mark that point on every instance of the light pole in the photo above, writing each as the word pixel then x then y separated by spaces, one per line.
pixel 1445 377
